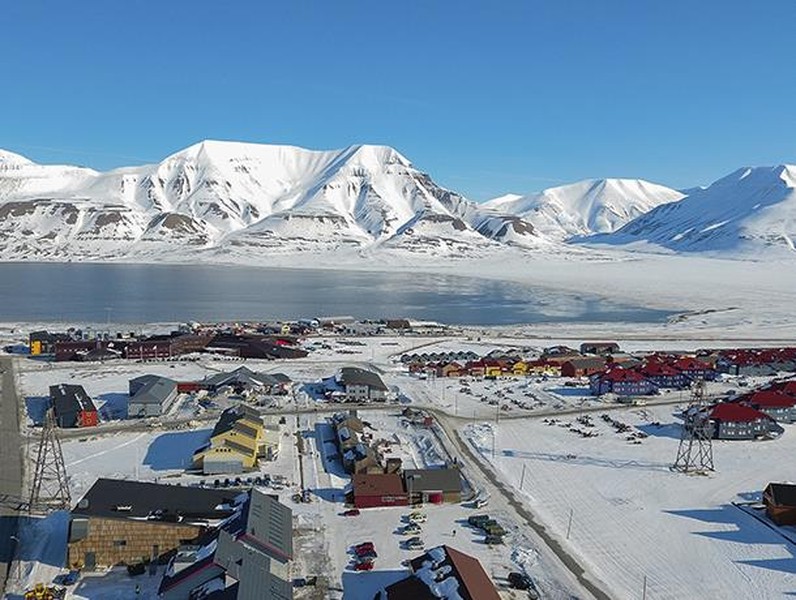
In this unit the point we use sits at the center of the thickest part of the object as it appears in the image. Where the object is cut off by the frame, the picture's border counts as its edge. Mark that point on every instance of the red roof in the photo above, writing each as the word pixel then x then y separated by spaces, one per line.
pixel 686 363
pixel 657 369
pixel 770 399
pixel 616 374
pixel 785 387
pixel 738 413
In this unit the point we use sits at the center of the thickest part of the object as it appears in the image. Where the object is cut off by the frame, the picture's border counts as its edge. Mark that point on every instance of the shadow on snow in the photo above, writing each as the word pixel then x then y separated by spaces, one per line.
pixel 174 450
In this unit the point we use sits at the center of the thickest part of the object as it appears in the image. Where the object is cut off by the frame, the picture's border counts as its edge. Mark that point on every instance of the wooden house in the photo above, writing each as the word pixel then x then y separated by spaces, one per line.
pixel 780 501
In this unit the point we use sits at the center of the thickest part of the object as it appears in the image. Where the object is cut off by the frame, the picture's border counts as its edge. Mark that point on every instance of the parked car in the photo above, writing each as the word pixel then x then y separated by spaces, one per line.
pixel 363 566
pixel 417 517
pixel 414 542
pixel 480 502
pixel 493 540
pixel 411 529
pixel 351 512
pixel 365 552
pixel 364 546
pixel 519 581
pixel 478 520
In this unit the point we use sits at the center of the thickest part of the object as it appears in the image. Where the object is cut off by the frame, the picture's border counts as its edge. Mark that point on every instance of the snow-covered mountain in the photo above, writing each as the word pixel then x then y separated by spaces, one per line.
pixel 249 202
pixel 748 211
pixel 585 207
pixel 216 197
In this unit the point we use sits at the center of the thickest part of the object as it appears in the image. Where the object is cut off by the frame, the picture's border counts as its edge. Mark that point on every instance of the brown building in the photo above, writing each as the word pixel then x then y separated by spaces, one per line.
pixel 433 486
pixel 780 501
pixel 455 575
pixel 582 367
pixel 126 522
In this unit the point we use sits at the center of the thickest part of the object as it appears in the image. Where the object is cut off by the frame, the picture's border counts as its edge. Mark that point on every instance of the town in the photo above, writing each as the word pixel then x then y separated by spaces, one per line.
pixel 338 458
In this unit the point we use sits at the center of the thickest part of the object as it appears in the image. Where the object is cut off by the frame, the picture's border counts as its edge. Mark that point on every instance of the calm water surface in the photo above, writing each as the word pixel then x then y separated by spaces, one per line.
pixel 156 293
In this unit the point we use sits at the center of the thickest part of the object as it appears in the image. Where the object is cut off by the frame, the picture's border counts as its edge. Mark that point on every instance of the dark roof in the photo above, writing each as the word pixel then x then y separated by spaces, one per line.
pixel 123 499
pixel 67 398
pixel 378 484
pixel 268 526
pixel 410 588
pixel 446 480
pixel 357 376
pixel 232 415
pixel 587 362
pixel 783 494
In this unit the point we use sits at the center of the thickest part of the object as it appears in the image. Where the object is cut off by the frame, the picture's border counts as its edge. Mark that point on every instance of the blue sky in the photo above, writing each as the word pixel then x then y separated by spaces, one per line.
pixel 488 97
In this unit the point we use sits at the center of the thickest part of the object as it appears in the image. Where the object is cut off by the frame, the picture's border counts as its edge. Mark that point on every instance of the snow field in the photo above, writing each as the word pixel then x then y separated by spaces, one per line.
pixel 629 517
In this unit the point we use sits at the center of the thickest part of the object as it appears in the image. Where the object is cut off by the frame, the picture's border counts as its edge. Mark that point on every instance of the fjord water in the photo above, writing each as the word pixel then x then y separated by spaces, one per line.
pixel 131 293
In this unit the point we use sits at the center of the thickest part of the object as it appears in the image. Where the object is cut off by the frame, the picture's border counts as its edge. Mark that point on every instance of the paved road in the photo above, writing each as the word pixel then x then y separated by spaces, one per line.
pixel 11 451
pixel 568 562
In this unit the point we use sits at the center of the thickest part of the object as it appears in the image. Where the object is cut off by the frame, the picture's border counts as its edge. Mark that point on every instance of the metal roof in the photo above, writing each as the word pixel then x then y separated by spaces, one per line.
pixel 433 480
pixel 357 376
pixel 123 499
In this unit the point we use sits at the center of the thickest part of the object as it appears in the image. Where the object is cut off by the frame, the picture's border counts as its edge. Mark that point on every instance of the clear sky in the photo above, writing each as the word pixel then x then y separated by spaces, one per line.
pixel 488 97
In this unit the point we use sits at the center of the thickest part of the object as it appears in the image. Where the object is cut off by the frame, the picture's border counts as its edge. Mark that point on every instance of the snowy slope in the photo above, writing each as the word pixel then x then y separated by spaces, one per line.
pixel 748 211
pixel 230 196
pixel 585 207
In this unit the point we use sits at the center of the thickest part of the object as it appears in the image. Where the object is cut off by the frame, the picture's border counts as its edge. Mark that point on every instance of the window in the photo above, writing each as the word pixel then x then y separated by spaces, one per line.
pixel 119 543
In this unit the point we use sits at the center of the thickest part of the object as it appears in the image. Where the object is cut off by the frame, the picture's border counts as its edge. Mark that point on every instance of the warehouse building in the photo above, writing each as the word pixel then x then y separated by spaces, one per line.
pixel 151 396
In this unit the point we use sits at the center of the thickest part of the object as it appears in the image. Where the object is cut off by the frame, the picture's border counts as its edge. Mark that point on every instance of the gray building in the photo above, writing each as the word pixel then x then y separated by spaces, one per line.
pixel 361 385
pixel 248 557
pixel 151 396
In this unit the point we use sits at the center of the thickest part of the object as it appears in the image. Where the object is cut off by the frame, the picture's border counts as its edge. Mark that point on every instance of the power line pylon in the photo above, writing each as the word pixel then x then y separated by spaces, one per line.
pixel 50 490
pixel 695 453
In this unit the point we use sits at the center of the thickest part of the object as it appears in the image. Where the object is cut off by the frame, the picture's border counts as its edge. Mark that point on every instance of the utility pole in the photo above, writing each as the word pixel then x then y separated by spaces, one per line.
pixel 522 478
pixel 644 589
pixel 569 524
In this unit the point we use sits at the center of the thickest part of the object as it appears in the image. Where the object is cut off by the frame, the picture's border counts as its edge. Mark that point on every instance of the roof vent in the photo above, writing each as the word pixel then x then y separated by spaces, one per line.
pixel 83 504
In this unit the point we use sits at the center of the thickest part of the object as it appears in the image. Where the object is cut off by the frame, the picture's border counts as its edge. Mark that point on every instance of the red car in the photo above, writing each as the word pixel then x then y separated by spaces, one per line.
pixel 363 566
pixel 353 512
pixel 364 546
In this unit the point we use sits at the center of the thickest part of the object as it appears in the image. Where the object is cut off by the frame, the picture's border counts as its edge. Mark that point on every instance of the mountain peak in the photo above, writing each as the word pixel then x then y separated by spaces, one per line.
pixel 11 158
pixel 586 207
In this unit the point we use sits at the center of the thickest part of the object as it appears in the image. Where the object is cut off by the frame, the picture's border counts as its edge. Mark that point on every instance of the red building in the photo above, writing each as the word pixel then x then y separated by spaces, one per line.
pixel 72 406
pixel 379 489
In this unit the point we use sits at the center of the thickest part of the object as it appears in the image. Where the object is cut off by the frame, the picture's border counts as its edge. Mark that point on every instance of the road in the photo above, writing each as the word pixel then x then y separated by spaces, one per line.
pixel 11 451
pixel 487 479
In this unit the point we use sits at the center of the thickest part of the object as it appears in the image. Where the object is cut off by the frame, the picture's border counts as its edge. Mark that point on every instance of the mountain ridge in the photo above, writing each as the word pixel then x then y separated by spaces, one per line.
pixel 218 197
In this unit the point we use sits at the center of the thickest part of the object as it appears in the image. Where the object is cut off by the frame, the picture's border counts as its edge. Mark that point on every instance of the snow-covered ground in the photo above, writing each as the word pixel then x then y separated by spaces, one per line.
pixel 619 508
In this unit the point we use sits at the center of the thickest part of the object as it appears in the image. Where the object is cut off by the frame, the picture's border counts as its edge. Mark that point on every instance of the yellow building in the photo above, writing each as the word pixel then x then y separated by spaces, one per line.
pixel 238 440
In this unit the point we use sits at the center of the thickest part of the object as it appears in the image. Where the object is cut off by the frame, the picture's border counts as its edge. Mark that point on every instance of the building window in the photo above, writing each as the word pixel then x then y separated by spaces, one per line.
pixel 119 543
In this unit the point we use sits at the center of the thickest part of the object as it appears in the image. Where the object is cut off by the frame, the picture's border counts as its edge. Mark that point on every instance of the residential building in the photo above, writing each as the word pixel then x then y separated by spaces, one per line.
pixel 780 501
pixel 151 396
pixel 734 421
pixel 361 385
pixel 72 406
pixel 622 382
pixel 443 573
pixel 778 406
